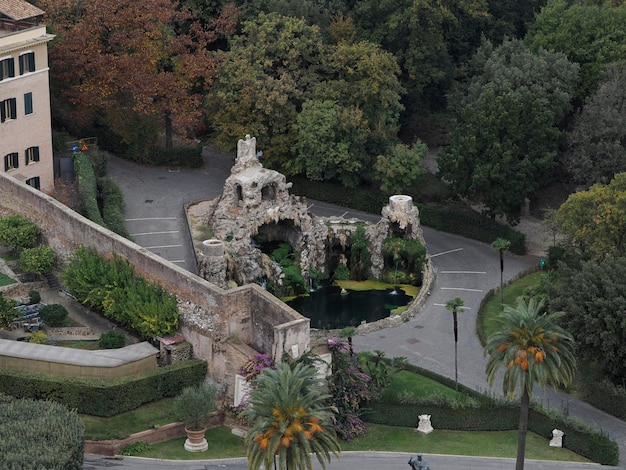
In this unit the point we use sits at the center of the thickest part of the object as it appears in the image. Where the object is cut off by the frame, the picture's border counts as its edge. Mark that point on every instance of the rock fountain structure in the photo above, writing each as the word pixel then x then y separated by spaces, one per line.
pixel 256 207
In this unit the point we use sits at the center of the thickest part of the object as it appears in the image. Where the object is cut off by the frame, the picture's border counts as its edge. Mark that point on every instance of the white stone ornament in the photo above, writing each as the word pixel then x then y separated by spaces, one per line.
pixel 557 438
pixel 424 425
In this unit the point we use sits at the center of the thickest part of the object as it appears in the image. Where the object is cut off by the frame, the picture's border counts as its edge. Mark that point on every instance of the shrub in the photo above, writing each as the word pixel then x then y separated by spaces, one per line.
pixel 7 311
pixel 111 340
pixel 34 297
pixel 54 431
pixel 53 315
pixel 112 202
pixel 104 396
pixel 194 405
pixel 87 188
pixel 135 448
pixel 111 287
pixel 38 260
pixel 39 337
pixel 99 161
pixel 18 232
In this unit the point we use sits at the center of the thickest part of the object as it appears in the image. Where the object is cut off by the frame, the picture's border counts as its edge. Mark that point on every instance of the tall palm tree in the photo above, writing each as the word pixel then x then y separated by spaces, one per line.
pixel 454 305
pixel 532 348
pixel 291 420
pixel 501 244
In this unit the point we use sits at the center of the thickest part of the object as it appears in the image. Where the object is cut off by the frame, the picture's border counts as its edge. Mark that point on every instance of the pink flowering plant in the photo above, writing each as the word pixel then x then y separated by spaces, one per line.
pixel 350 389
pixel 255 365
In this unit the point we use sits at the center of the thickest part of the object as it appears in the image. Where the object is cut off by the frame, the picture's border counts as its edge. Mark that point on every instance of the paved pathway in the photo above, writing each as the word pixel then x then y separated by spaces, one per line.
pixel 347 461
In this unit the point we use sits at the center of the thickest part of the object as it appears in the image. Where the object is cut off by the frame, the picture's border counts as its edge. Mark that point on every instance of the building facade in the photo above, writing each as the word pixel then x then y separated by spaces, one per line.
pixel 25 123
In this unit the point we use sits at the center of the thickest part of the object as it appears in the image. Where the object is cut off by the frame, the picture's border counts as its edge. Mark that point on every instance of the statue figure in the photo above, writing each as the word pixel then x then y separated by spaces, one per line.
pixel 246 149
pixel 557 438
pixel 418 463
pixel 424 424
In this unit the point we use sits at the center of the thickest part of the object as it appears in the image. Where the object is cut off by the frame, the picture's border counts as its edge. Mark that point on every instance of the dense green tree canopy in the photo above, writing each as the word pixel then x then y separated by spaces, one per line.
pixel 318 109
pixel 592 34
pixel 427 37
pixel 270 70
pixel 595 220
pixel 594 297
pixel 596 145
pixel 506 135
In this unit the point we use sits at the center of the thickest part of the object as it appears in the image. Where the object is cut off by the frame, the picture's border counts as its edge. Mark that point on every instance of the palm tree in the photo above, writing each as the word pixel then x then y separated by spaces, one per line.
pixel 291 420
pixel 532 348
pixel 501 244
pixel 454 305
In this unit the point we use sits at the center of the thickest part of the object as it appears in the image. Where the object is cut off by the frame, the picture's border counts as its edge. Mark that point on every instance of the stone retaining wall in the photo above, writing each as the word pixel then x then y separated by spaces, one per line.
pixel 70 331
pixel 163 433
pixel 228 314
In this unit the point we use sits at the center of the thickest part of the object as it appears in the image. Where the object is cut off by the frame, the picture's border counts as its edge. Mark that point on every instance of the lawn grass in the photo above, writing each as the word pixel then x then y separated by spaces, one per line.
pixel 86 345
pixel 6 280
pixel 492 308
pixel 409 384
pixel 145 417
pixel 223 444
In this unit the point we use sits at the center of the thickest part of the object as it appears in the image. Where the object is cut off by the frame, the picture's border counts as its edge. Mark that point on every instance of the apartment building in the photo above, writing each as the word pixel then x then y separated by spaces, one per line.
pixel 25 125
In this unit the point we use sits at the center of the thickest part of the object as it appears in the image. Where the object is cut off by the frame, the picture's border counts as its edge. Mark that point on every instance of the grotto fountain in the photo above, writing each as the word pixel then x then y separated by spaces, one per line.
pixel 261 233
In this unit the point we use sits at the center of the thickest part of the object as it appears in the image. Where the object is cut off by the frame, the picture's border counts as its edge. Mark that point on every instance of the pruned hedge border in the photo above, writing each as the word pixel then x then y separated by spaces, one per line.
pixel 489 414
pixel 104 396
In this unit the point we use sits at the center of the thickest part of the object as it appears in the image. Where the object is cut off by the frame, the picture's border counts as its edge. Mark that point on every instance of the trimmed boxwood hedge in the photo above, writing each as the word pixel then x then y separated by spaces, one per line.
pixel 36 435
pixel 104 396
pixel 485 413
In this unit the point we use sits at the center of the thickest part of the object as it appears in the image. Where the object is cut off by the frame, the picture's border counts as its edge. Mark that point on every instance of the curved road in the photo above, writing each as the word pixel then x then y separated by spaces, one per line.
pixel 463 268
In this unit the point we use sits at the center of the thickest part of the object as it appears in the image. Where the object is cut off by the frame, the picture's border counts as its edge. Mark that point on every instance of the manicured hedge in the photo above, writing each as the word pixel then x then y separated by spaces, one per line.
pixel 479 412
pixel 104 396
pixel 39 435
pixel 451 217
pixel 87 188
pixel 112 200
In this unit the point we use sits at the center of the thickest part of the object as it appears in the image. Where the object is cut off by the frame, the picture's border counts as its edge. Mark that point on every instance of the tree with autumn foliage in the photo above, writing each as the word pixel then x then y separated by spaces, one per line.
pixel 143 62
pixel 532 347
pixel 291 420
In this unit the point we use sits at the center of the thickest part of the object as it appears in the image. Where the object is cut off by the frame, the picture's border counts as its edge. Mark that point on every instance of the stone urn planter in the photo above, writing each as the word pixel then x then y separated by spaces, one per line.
pixel 194 405
pixel 196 442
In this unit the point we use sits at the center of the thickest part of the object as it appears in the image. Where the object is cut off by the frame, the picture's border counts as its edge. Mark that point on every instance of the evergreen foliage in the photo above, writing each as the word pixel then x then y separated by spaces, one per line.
pixel 111 340
pixel 39 434
pixel 87 188
pixel 104 396
pixel 194 404
pixel 112 288
pixel 53 315
pixel 38 260
pixel 7 311
pixel 18 232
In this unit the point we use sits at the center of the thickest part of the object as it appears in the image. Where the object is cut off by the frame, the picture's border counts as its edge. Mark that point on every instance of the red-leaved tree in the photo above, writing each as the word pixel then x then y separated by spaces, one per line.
pixel 120 58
